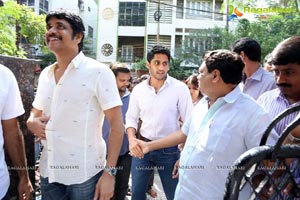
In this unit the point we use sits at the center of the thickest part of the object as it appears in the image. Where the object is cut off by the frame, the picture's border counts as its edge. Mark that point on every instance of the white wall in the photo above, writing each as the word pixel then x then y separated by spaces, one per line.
pixel 108 28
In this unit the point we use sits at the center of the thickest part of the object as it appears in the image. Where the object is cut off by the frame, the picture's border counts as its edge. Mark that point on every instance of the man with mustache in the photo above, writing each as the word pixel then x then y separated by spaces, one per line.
pixel 286 69
pixel 73 95
pixel 122 75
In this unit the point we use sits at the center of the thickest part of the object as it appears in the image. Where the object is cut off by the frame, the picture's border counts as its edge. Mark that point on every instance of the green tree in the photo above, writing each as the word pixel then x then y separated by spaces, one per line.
pixel 201 41
pixel 32 28
pixel 268 32
pixel 178 71
pixel 140 65
pixel 88 48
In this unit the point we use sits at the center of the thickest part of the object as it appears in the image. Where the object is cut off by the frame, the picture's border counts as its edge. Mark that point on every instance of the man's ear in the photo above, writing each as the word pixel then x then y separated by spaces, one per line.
pixel 216 75
pixel 78 37
pixel 243 55
pixel 147 64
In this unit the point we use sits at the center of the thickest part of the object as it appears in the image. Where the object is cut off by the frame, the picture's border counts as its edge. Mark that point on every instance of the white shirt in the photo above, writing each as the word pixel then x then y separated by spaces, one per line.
pixel 159 112
pixel 10 107
pixel 216 137
pixel 75 150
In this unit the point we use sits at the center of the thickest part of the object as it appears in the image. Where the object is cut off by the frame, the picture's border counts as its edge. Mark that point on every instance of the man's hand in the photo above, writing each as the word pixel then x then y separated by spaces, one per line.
pixel 175 173
pixel 37 125
pixel 264 193
pixel 138 148
pixel 25 188
pixel 268 187
pixel 14 145
pixel 290 188
pixel 105 187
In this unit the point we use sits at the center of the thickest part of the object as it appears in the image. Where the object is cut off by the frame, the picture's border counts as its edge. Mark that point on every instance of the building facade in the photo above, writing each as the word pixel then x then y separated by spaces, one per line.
pixel 124 30
pixel 127 29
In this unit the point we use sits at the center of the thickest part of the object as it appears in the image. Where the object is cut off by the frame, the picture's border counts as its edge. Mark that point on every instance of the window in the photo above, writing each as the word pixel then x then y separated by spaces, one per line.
pixel 132 14
pixel 199 43
pixel 90 32
pixel 179 9
pixel 199 8
pixel 44 5
pixel 127 53
pixel 27 2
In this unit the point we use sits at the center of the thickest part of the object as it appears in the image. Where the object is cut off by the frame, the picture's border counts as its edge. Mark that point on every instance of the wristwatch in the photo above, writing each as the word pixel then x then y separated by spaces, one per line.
pixel 111 171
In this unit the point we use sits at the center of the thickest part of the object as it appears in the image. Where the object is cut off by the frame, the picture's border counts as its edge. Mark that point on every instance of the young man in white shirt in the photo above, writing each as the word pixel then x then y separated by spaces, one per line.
pixel 159 102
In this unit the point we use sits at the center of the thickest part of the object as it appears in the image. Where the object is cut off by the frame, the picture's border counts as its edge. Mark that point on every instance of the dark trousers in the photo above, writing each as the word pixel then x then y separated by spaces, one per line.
pixel 122 177
pixel 151 181
pixel 141 170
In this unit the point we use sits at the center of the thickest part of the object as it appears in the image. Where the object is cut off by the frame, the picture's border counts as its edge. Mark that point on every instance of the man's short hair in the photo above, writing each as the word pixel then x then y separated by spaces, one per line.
pixel 117 67
pixel 72 18
pixel 158 49
pixel 227 62
pixel 287 51
pixel 249 46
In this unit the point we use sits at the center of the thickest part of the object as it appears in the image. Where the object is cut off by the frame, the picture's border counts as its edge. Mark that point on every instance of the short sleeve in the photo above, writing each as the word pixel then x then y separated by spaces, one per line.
pixel 107 91
pixel 10 97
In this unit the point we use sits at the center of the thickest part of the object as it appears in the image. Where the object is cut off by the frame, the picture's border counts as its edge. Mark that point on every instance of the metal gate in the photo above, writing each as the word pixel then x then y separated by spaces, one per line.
pixel 268 170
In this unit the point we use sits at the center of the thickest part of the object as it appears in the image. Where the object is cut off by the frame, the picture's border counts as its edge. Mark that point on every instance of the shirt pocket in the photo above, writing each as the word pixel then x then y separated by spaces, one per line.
pixel 223 141
pixel 216 139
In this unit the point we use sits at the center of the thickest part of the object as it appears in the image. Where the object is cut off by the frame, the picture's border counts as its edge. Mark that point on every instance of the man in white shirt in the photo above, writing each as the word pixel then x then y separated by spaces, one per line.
pixel 159 101
pixel 223 125
pixel 72 97
pixel 11 137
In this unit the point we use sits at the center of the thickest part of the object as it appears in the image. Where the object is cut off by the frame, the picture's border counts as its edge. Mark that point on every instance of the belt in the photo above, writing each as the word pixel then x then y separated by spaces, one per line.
pixel 143 138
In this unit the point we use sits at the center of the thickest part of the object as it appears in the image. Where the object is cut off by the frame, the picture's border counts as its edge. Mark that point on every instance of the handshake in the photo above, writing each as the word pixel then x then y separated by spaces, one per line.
pixel 138 148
